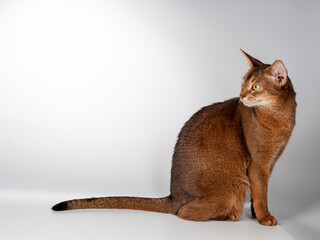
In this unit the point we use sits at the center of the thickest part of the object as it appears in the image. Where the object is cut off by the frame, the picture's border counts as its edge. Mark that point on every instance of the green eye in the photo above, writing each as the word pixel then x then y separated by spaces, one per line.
pixel 256 87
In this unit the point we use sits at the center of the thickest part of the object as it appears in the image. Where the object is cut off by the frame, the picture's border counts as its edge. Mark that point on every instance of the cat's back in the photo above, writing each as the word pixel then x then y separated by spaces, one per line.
pixel 211 148
pixel 210 120
pixel 212 134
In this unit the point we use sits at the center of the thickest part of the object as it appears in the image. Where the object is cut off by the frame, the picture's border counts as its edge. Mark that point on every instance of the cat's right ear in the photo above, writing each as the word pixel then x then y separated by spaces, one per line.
pixel 251 60
pixel 277 72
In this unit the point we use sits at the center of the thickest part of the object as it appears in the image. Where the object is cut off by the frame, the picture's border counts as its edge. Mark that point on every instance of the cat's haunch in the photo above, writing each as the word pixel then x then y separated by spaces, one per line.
pixel 222 151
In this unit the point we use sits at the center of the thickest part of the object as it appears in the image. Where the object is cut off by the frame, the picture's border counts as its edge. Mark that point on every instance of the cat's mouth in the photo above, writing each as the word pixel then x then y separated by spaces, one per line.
pixel 252 104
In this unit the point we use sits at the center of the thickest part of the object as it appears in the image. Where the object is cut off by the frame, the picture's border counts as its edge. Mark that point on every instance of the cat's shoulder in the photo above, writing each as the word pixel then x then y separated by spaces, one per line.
pixel 226 106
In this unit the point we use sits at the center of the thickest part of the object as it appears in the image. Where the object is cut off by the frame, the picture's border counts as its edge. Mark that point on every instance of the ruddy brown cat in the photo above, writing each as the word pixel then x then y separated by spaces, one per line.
pixel 222 151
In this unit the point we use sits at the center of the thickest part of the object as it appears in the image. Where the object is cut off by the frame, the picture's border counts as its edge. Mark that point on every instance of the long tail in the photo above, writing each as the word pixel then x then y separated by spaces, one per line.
pixel 163 205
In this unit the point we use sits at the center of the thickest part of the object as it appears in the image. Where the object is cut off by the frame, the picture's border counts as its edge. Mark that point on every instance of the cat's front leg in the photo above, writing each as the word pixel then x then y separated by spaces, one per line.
pixel 259 177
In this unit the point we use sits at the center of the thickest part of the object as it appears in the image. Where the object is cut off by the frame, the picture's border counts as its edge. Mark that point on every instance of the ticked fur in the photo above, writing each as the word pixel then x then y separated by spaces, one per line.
pixel 222 151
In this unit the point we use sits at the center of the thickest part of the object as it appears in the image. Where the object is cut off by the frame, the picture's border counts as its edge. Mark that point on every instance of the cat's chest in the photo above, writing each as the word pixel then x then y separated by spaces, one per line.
pixel 258 133
pixel 265 141
pixel 268 126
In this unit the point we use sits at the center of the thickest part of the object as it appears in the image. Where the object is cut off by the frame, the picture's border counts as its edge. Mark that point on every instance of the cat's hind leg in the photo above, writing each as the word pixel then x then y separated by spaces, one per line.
pixel 204 209
pixel 236 209
pixel 212 208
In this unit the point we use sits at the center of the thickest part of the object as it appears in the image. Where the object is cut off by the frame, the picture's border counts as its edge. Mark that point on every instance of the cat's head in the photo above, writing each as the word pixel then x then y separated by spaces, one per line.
pixel 263 83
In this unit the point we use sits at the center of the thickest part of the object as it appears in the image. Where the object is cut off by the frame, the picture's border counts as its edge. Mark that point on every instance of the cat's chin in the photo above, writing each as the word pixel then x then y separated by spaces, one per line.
pixel 254 104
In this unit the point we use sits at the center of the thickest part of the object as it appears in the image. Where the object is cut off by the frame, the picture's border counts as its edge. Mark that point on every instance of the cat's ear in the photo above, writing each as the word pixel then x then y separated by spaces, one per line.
pixel 251 60
pixel 277 73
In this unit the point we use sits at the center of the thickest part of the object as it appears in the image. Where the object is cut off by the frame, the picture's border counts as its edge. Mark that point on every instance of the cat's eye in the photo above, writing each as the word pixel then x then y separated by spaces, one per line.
pixel 256 87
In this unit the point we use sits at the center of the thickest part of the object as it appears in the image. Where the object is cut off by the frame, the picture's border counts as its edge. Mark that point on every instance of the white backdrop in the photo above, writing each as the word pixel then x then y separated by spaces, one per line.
pixel 93 93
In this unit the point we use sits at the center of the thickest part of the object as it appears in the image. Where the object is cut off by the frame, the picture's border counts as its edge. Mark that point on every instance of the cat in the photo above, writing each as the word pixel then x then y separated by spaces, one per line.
pixel 224 150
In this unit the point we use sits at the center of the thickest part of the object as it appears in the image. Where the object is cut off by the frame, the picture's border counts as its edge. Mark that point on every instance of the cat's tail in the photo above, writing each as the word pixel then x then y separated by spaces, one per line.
pixel 163 205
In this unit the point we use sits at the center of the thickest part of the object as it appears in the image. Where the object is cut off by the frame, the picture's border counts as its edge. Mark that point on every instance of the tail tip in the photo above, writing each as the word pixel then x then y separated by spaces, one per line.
pixel 60 206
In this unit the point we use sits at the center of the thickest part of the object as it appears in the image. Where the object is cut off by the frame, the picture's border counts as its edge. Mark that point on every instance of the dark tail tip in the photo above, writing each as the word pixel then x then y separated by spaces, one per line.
pixel 60 206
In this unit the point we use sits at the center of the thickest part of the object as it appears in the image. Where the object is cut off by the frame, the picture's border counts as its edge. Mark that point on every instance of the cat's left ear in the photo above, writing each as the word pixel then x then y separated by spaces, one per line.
pixel 253 62
pixel 277 73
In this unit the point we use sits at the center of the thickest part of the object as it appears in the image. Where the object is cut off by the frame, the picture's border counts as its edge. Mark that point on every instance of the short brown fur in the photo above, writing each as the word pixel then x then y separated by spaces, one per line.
pixel 224 149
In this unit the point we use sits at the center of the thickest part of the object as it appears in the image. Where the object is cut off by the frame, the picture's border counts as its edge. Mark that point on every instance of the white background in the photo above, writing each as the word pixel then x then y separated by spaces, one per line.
pixel 93 95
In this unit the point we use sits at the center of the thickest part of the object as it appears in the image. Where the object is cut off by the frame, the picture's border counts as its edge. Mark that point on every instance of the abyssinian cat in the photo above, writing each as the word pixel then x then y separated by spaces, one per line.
pixel 222 151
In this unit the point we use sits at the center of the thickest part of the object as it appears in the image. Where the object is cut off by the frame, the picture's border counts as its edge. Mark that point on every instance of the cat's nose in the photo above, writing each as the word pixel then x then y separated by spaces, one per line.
pixel 242 95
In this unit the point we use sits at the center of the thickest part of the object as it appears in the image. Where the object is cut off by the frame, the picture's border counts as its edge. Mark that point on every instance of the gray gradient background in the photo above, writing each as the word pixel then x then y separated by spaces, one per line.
pixel 93 93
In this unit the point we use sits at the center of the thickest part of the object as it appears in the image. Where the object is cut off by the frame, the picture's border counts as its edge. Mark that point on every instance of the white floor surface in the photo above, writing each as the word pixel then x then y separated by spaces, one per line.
pixel 28 216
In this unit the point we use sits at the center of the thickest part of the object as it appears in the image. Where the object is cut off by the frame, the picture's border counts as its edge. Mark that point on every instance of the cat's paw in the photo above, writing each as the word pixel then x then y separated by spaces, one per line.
pixel 268 221
pixel 233 217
